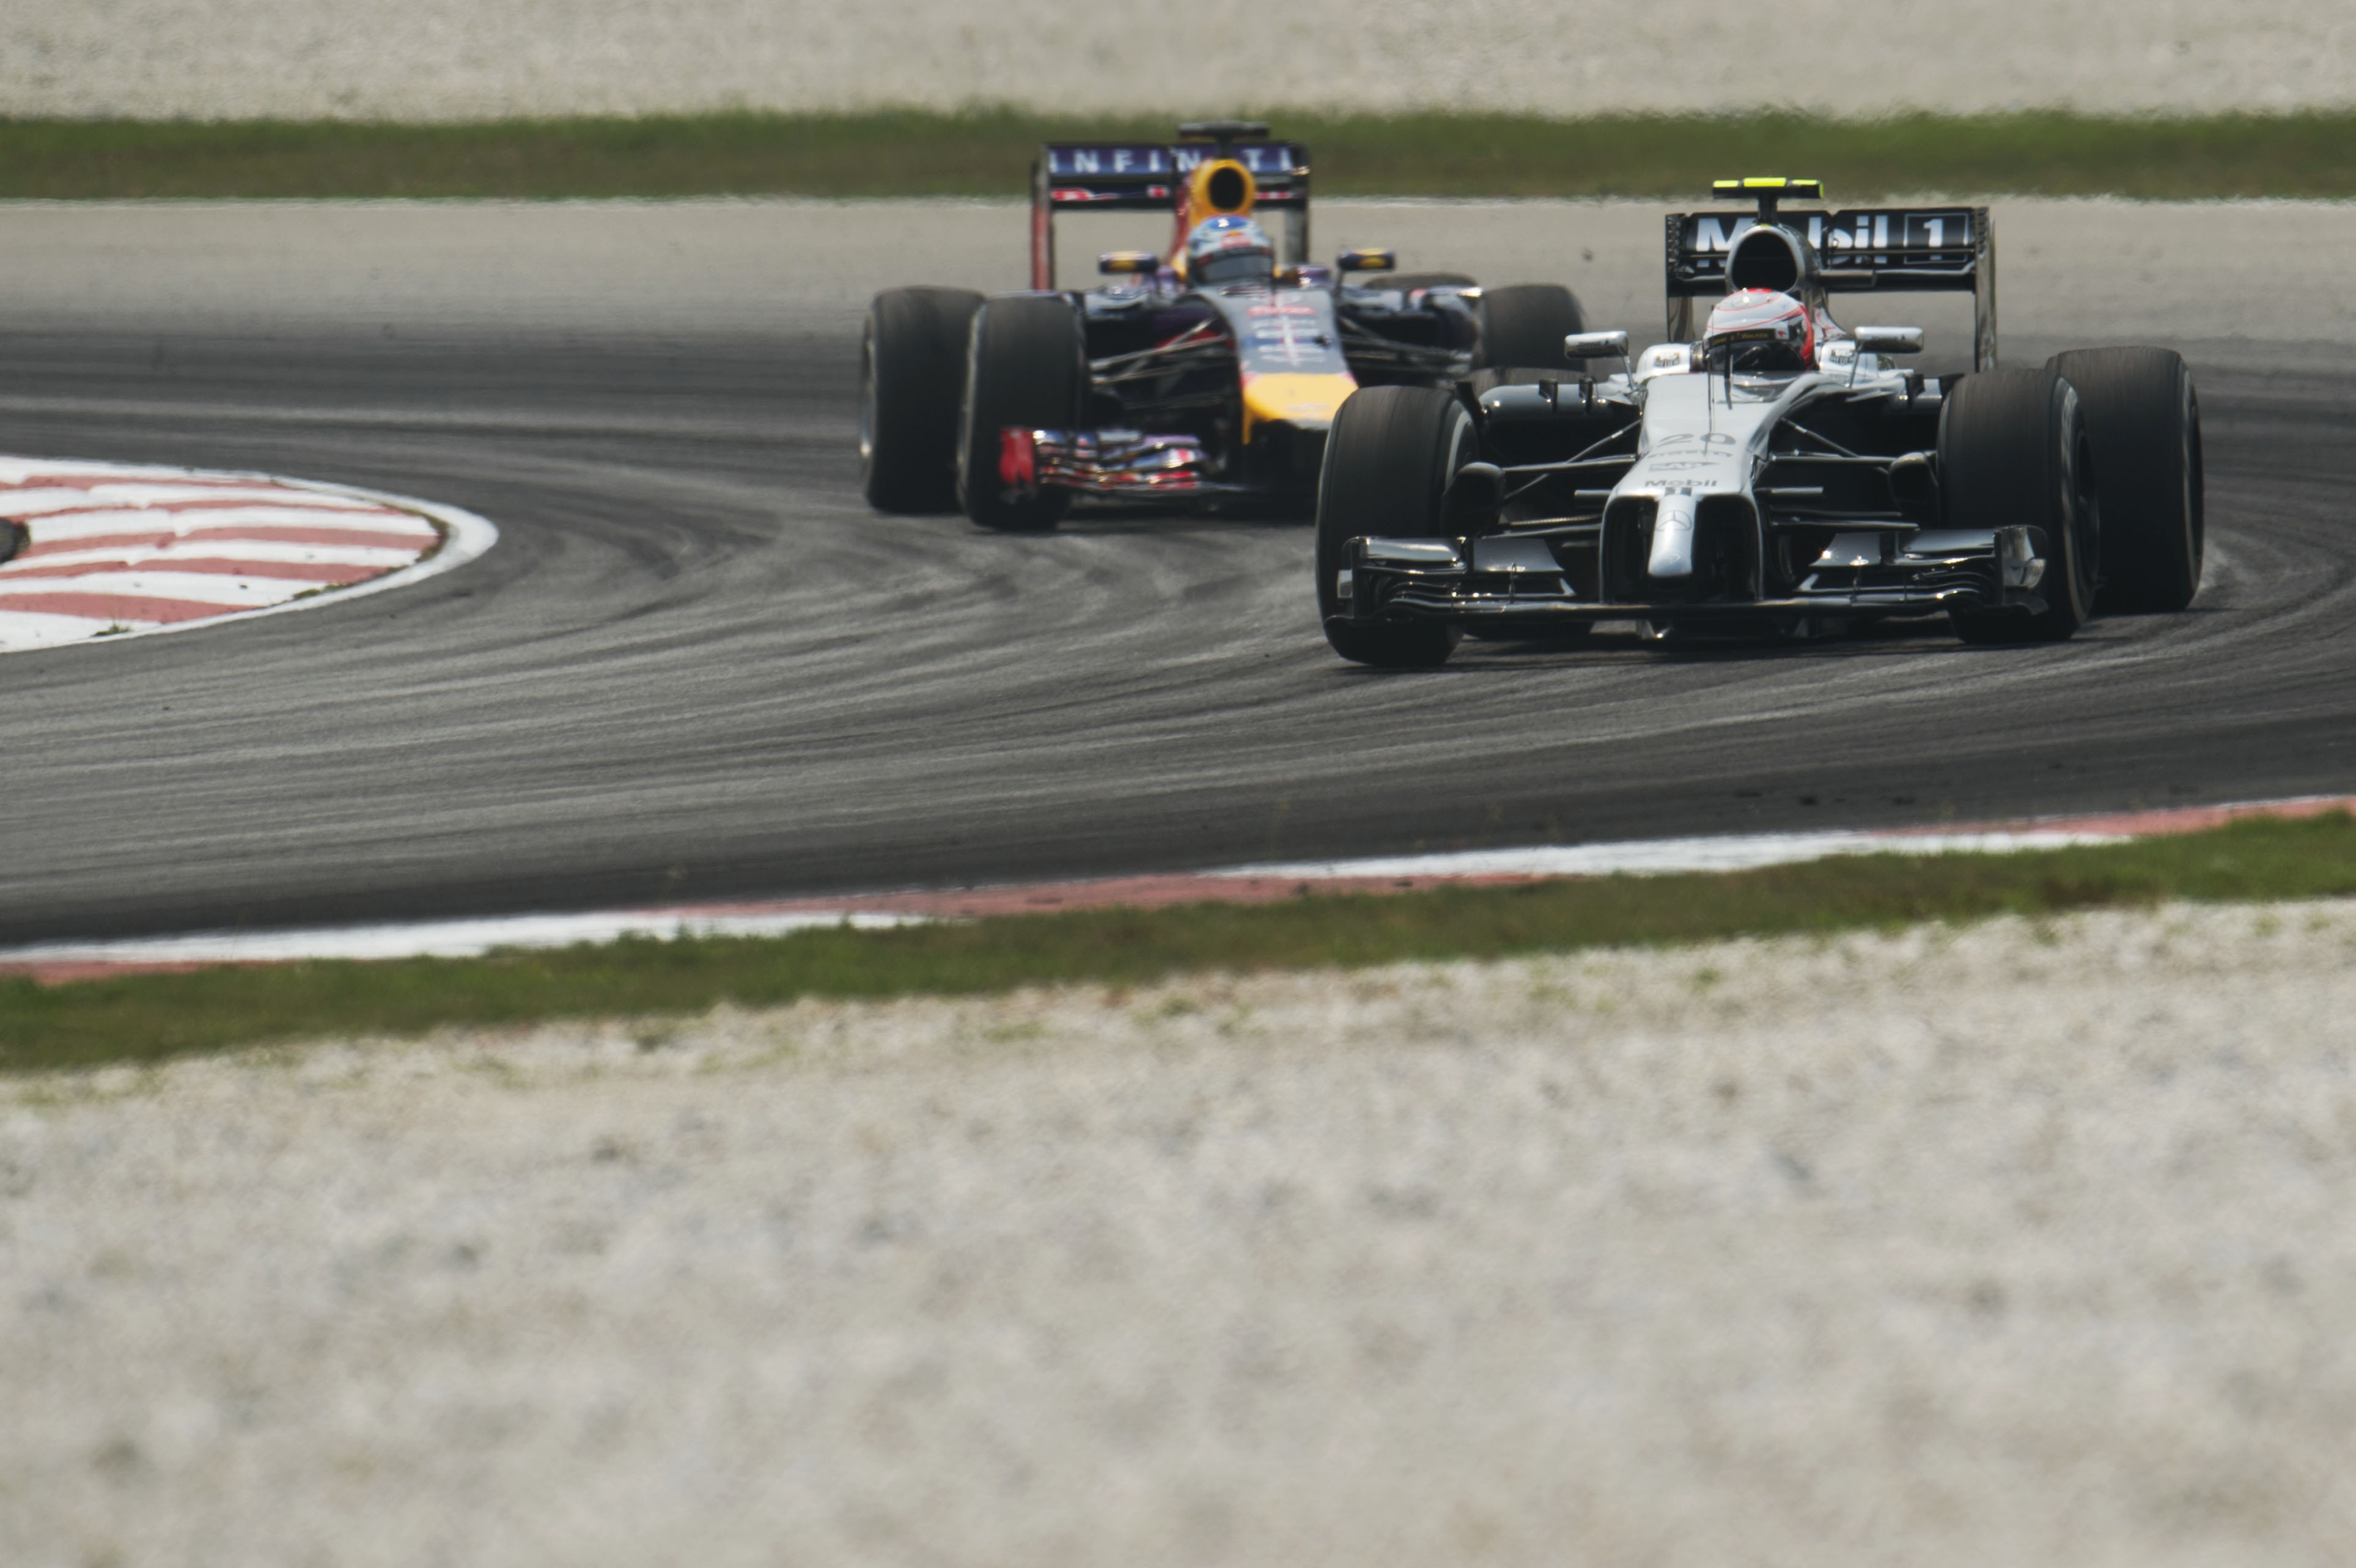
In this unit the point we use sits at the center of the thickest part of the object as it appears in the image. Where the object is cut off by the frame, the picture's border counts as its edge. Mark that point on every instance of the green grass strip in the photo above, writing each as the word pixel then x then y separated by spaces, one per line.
pixel 988 153
pixel 148 1017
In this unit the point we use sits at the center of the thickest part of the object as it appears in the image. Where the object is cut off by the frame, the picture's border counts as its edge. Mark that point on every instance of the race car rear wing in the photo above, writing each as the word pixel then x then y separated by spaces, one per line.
pixel 1150 177
pixel 1883 250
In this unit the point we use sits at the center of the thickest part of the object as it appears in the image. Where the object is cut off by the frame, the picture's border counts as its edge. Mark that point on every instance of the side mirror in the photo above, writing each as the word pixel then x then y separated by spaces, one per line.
pixel 1366 261
pixel 1116 263
pixel 1595 346
pixel 1889 339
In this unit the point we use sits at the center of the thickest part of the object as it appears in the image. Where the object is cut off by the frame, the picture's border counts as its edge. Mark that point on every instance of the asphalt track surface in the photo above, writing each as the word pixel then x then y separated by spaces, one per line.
pixel 696 667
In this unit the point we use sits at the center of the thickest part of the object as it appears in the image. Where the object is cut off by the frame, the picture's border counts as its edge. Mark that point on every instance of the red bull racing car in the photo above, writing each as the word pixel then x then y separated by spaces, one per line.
pixel 1770 472
pixel 1209 374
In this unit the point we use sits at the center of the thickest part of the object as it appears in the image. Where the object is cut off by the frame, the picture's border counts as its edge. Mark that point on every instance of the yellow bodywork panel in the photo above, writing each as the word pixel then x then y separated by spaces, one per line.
pixel 1295 399
pixel 1218 185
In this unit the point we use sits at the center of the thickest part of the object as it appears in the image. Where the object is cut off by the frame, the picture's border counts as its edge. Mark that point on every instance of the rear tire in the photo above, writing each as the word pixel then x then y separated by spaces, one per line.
pixel 2014 451
pixel 911 368
pixel 1522 329
pixel 2144 419
pixel 1391 453
pixel 1026 364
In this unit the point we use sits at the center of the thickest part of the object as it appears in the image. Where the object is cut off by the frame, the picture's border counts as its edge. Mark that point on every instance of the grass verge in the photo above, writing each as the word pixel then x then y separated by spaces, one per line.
pixel 148 1017
pixel 988 153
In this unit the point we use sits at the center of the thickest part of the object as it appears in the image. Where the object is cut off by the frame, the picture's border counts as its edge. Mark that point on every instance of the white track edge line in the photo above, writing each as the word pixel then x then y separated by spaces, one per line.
pixel 1730 852
pixel 473 937
pixel 1714 851
pixel 440 938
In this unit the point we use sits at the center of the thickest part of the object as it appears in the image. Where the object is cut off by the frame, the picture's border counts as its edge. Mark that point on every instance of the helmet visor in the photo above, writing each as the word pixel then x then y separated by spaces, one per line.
pixel 1239 264
pixel 1755 357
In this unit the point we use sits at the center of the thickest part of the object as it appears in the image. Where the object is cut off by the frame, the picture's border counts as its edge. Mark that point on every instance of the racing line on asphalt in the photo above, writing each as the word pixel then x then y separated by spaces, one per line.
pixel 697 670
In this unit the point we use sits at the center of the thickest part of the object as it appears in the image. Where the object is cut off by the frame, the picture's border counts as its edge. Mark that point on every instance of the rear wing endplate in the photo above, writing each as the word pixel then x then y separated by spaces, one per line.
pixel 1150 177
pixel 1884 250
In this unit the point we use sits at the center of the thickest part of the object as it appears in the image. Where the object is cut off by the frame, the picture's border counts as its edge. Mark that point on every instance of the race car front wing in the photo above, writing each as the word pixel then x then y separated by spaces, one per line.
pixel 1115 463
pixel 1534 578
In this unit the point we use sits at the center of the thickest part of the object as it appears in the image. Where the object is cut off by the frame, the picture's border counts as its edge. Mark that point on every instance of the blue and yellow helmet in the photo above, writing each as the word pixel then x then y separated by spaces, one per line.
pixel 1228 248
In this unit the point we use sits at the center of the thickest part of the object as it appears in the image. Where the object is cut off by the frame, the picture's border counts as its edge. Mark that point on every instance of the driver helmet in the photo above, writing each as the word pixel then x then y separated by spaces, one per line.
pixel 1761 330
pixel 1228 248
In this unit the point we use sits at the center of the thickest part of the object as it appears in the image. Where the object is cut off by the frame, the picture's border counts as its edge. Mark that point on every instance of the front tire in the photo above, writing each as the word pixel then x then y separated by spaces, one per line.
pixel 1026 365
pixel 1390 455
pixel 1522 329
pixel 2144 419
pixel 911 368
pixel 2013 451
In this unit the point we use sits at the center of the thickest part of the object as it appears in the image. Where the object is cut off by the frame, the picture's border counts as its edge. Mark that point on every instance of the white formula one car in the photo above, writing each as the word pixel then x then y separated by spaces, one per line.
pixel 1774 472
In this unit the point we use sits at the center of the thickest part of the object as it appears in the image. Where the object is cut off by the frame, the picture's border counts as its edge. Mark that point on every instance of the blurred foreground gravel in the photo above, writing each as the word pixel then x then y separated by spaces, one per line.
pixel 2022 1244
pixel 443 59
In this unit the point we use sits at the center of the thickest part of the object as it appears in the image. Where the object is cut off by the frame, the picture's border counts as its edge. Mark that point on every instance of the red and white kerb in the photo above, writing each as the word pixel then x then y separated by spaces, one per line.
pixel 113 549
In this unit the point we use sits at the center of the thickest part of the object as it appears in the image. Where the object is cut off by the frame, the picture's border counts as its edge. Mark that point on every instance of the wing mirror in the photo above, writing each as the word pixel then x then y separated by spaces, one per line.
pixel 1116 264
pixel 1363 260
pixel 1595 346
pixel 1583 346
pixel 1889 339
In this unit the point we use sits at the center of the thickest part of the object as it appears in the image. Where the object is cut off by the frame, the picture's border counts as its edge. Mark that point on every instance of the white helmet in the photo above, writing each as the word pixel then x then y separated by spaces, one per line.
pixel 1763 330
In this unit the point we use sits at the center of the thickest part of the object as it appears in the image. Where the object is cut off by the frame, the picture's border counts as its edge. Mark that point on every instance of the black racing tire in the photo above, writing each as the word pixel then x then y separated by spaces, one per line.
pixel 911 371
pixel 1026 364
pixel 1391 452
pixel 2013 450
pixel 1523 326
pixel 2144 419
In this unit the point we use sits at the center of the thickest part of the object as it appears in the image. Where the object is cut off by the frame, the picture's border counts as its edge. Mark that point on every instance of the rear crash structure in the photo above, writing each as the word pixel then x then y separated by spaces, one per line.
pixel 1699 489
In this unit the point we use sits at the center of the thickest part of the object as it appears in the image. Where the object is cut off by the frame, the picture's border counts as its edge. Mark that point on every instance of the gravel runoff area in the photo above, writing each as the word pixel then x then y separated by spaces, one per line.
pixel 2019 1243
pixel 435 60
